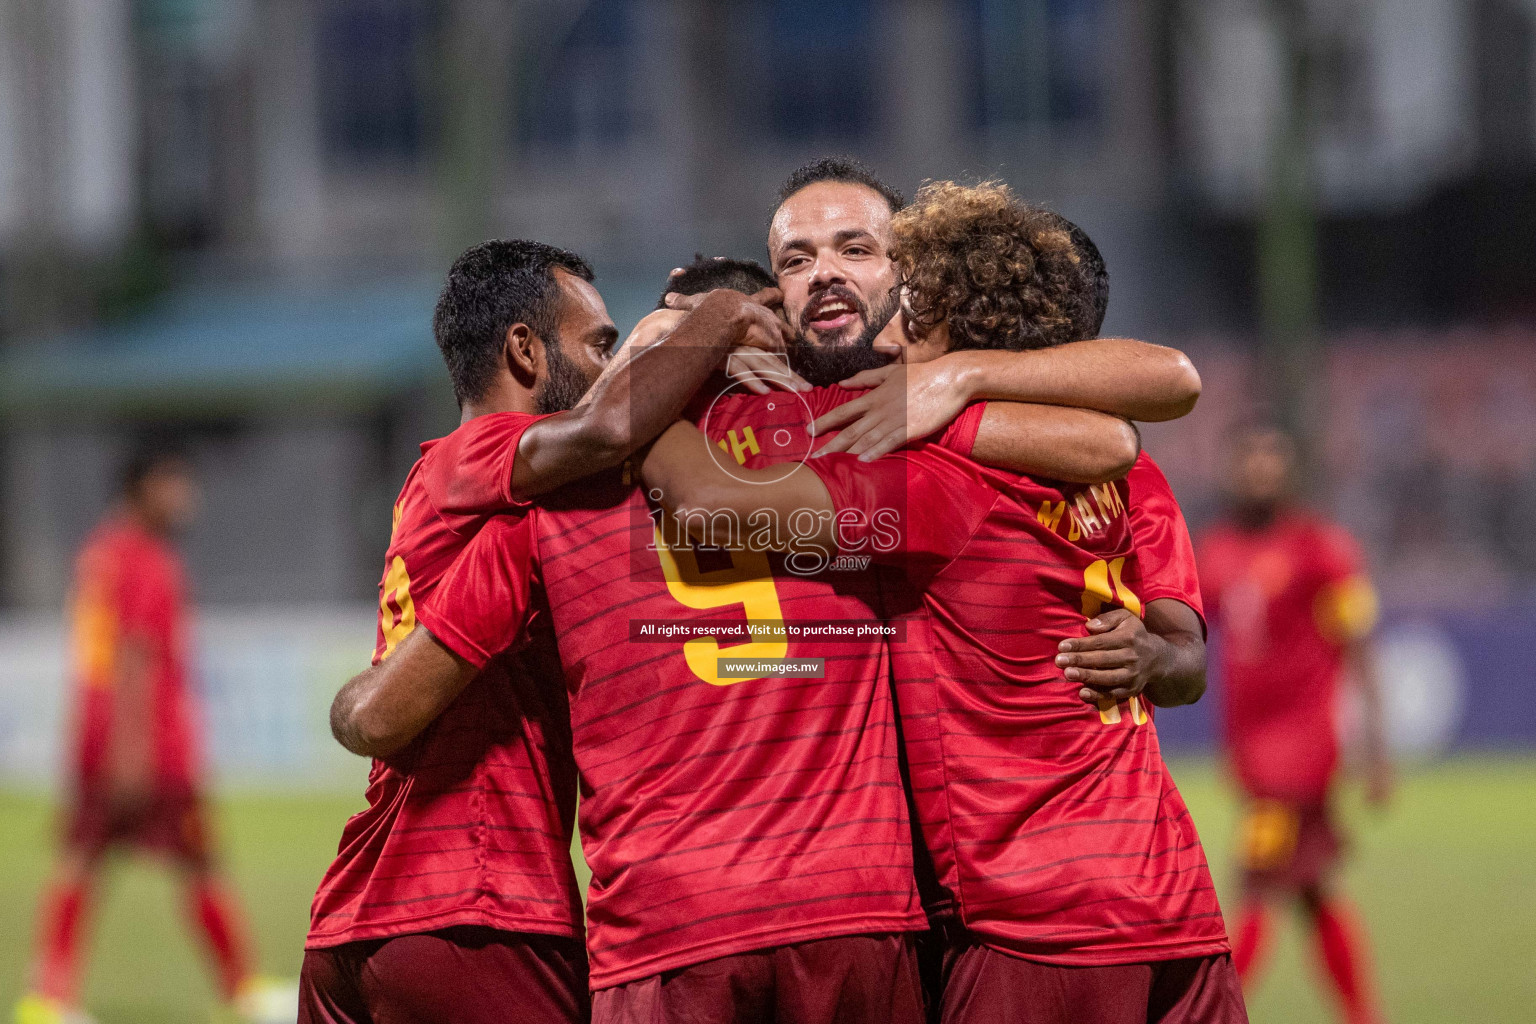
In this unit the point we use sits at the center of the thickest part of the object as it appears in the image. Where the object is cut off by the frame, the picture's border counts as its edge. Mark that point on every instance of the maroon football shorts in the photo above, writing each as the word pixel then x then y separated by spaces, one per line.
pixel 985 986
pixel 1287 847
pixel 169 821
pixel 855 979
pixel 463 975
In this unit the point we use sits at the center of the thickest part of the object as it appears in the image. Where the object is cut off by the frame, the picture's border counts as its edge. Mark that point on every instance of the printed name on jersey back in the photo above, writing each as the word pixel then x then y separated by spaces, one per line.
pixel 1082 512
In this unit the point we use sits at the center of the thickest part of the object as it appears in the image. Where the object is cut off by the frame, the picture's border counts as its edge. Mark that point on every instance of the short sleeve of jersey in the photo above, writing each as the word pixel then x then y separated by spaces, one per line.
pixel 1165 554
pixel 919 504
pixel 469 472
pixel 482 604
pixel 1347 605
pixel 960 436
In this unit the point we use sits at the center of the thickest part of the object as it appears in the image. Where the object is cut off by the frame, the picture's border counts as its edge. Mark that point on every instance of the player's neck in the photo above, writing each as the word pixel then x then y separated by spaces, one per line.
pixel 502 397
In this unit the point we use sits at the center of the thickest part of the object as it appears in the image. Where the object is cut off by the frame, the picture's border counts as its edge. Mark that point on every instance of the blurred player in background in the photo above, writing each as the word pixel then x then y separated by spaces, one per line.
pixel 1289 592
pixel 137 774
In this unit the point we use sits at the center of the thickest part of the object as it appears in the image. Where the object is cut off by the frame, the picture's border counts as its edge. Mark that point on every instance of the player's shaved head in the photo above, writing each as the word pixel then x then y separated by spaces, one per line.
pixel 491 287
pixel 151 455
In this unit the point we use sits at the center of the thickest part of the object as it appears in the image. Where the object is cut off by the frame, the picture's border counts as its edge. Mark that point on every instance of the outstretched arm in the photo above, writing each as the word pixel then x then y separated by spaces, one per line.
pixel 1125 378
pixel 642 390
pixel 382 709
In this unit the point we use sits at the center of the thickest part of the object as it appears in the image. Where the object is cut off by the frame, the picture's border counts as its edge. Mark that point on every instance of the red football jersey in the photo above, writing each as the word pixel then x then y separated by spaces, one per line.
pixel 1054 825
pixel 471 823
pixel 718 815
pixel 1165 554
pixel 129 588
pixel 1287 598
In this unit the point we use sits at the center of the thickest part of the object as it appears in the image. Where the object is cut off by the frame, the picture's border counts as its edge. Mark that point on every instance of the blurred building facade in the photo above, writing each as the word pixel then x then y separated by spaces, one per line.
pixel 245 154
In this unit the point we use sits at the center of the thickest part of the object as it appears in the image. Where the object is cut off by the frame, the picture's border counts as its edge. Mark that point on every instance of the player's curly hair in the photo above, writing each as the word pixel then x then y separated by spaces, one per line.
pixel 1001 272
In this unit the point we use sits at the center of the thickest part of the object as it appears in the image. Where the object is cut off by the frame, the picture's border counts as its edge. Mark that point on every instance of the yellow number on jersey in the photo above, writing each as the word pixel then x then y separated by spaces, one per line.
pixel 397 622
pixel 1102 585
pixel 748 582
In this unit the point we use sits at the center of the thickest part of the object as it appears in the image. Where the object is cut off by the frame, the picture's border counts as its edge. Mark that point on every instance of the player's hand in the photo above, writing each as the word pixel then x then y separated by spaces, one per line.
pixel 769 297
pixel 654 326
pixel 760 372
pixel 1115 661
pixel 763 326
pixel 757 361
pixel 766 328
pixel 906 402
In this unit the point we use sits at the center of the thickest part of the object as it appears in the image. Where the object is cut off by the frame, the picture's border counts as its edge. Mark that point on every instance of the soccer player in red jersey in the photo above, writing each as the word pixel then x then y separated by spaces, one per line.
pixel 1289 592
pixel 1051 818
pixel 453 892
pixel 137 773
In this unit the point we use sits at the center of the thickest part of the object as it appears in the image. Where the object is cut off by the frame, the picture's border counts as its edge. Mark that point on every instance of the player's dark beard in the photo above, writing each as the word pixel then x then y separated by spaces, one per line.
pixel 563 387
pixel 825 363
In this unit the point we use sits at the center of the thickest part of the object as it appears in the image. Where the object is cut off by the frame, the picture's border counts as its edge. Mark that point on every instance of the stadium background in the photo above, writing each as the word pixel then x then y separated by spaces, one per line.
pixel 230 217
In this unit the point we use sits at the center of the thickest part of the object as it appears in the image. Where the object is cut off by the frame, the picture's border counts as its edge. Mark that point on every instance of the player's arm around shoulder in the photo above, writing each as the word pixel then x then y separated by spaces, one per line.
pixel 1075 445
pixel 644 387
pixel 382 709
pixel 1118 377
pixel 725 507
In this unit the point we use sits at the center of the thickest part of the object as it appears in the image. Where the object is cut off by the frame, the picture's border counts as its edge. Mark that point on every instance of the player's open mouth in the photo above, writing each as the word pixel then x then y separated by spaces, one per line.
pixel 832 313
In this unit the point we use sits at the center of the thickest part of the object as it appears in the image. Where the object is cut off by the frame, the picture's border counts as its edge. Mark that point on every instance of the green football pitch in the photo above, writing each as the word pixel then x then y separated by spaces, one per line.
pixel 1446 881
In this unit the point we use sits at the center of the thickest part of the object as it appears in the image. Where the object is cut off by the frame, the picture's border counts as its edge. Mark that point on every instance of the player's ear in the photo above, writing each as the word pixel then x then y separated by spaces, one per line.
pixel 522 360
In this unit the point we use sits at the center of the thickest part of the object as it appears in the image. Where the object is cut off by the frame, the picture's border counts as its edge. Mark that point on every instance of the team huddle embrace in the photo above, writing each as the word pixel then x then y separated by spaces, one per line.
pixel 907 419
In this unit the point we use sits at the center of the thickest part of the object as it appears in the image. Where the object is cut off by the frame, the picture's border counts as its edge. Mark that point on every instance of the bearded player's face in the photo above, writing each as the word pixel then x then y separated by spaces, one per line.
pixel 583 342
pixel 829 244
